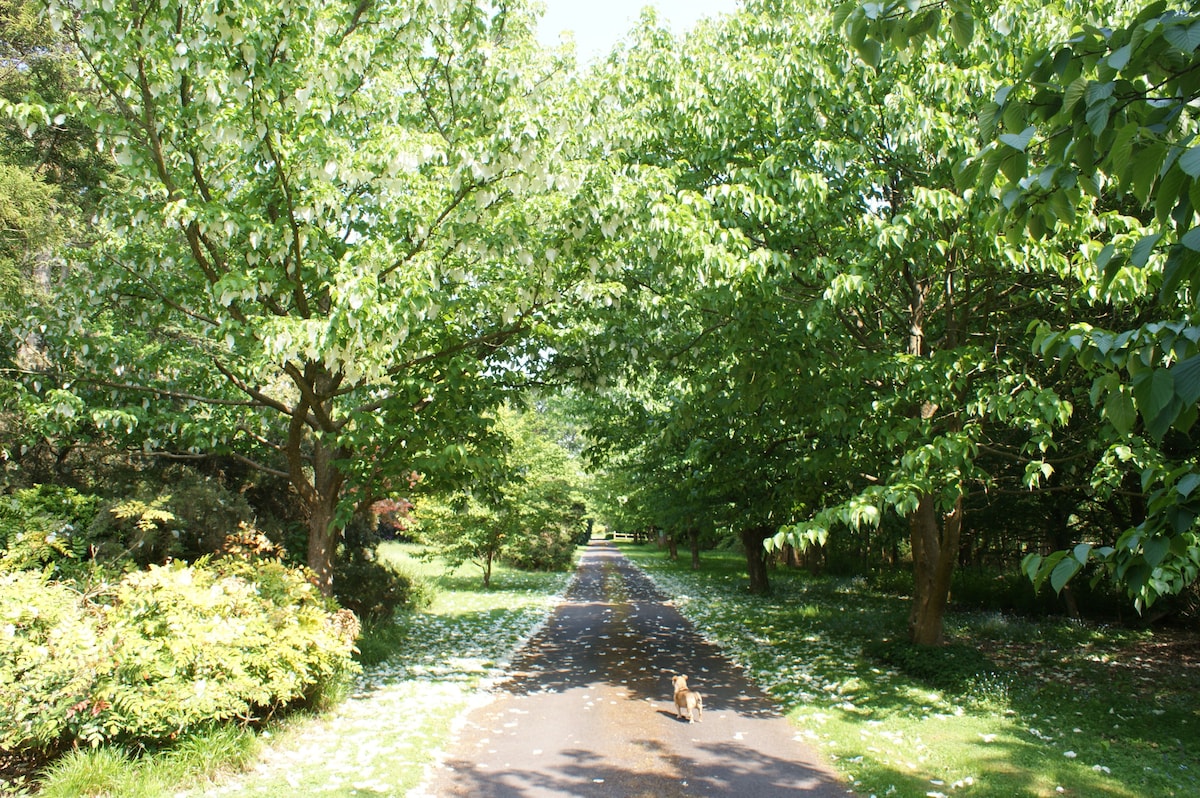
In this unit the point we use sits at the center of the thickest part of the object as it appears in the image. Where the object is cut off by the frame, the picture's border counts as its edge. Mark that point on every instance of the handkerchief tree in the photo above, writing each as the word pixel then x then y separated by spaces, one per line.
pixel 339 228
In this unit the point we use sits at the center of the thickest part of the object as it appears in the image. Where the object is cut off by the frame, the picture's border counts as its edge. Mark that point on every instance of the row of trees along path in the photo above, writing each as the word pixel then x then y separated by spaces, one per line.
pixel 589 710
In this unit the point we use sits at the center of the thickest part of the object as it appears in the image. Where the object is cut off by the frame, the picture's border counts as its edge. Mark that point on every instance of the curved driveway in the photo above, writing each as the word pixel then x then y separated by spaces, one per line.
pixel 588 710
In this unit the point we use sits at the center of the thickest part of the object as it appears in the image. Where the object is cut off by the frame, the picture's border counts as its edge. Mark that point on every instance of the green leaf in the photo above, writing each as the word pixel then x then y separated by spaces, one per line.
pixel 1180 518
pixel 870 51
pixel 1183 36
pixel 1155 394
pixel 1191 239
pixel 1031 565
pixel 1189 162
pixel 1147 161
pixel 1181 264
pixel 1097 117
pixel 1186 374
pixel 962 25
pixel 1136 576
pixel 1155 550
pixel 1098 92
pixel 1119 58
pixel 1143 248
pixel 1073 94
pixel 1121 153
pixel 843 12
pixel 1019 141
pixel 1168 193
pixel 1063 572
pixel 1120 411
pixel 1014 165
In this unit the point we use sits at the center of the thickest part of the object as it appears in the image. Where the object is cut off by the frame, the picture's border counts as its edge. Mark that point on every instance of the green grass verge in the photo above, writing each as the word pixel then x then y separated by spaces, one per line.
pixel 425 672
pixel 1012 708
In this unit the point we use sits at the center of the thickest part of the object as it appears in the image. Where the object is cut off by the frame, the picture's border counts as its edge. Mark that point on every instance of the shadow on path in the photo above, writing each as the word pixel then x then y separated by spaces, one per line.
pixel 588 709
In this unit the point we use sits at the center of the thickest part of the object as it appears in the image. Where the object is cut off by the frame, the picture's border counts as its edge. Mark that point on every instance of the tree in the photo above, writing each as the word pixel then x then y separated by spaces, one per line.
pixel 343 224
pixel 860 338
pixel 1106 116
pixel 528 510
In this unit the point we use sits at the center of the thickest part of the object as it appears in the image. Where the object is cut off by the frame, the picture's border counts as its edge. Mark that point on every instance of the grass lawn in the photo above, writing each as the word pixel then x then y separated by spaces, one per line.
pixel 1050 708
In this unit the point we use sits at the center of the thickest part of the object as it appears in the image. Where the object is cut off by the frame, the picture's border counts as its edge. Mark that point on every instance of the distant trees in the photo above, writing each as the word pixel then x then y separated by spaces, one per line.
pixel 527 509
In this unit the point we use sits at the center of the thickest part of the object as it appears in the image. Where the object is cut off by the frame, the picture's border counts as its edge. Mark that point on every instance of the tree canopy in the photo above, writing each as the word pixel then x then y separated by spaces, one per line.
pixel 882 272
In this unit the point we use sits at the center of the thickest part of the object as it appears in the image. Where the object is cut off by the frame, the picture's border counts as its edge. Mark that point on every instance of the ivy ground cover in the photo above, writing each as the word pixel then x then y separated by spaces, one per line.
pixel 1014 707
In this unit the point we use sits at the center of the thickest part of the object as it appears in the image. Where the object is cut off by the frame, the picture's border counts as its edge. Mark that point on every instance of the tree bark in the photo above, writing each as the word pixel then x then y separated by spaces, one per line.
pixel 935 552
pixel 314 474
pixel 487 568
pixel 694 542
pixel 756 558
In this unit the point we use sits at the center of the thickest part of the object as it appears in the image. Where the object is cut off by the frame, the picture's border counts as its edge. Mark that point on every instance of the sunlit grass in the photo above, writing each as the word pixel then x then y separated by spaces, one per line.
pixel 105 772
pixel 1054 716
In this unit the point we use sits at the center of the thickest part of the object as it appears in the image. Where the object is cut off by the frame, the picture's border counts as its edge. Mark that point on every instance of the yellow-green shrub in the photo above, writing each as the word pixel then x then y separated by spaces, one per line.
pixel 172 648
pixel 53 653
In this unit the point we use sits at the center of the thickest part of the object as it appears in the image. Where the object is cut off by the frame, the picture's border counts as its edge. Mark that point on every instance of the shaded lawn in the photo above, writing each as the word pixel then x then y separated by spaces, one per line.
pixel 1063 709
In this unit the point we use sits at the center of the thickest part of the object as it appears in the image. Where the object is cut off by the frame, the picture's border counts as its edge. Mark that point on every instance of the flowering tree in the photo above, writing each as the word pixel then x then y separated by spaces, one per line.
pixel 338 226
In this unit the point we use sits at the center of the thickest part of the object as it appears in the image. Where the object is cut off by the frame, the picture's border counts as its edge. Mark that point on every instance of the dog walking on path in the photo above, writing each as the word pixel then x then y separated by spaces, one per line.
pixel 687 699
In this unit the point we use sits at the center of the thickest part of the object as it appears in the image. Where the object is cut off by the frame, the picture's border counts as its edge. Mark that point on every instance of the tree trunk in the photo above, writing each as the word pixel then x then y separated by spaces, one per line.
pixel 318 482
pixel 322 542
pixel 814 558
pixel 935 551
pixel 672 547
pixel 756 558
pixel 694 542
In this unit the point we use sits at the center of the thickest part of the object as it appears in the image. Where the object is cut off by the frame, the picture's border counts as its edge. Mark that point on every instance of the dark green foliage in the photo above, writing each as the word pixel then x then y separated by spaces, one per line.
pixel 182 515
pixel 1011 591
pixel 372 588
pixel 206 512
pixel 380 642
pixel 375 590
pixel 44 528
pixel 954 667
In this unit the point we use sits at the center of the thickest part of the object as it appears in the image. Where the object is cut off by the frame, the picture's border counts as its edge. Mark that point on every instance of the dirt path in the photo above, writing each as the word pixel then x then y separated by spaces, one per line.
pixel 588 711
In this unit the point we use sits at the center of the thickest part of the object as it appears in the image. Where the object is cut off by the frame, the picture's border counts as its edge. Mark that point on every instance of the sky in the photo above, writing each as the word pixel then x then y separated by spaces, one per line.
pixel 598 24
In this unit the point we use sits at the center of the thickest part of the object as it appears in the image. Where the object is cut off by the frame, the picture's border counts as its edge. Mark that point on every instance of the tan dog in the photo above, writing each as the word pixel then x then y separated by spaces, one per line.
pixel 687 699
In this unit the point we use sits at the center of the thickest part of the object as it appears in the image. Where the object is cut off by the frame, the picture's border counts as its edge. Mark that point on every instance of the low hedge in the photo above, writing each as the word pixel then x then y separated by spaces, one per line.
pixel 162 652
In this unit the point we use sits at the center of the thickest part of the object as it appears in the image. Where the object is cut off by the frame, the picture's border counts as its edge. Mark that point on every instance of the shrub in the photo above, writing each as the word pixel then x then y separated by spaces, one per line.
pixel 205 511
pixel 375 590
pixel 186 518
pixel 73 507
pixel 176 648
pixel 43 528
pixel 550 549
pixel 53 656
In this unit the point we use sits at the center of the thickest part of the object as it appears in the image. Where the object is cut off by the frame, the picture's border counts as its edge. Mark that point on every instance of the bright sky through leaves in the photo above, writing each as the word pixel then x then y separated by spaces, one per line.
pixel 598 26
